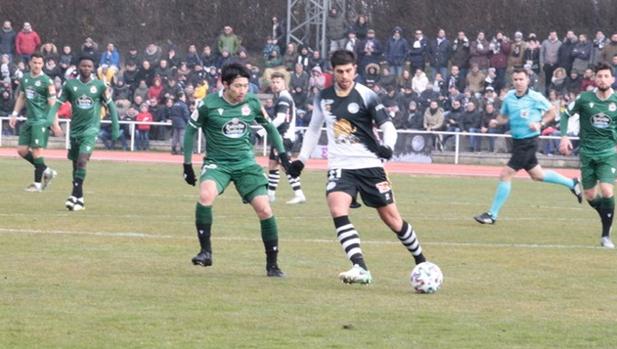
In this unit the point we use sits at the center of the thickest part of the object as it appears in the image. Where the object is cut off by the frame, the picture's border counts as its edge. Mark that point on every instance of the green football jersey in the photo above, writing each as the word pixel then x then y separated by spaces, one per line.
pixel 598 123
pixel 36 91
pixel 86 100
pixel 226 126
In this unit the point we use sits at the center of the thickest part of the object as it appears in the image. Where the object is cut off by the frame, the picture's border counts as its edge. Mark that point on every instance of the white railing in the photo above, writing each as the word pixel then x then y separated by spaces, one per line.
pixel 264 141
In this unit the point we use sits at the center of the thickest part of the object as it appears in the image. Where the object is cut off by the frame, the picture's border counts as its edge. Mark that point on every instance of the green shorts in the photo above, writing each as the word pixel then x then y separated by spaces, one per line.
pixel 248 177
pixel 33 135
pixel 597 168
pixel 82 144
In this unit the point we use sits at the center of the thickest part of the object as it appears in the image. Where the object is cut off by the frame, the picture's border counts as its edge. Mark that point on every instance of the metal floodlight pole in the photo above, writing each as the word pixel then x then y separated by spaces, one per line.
pixel 306 21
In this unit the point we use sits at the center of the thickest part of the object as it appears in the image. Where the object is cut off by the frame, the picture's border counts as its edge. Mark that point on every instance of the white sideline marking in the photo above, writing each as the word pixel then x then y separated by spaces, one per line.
pixel 317 241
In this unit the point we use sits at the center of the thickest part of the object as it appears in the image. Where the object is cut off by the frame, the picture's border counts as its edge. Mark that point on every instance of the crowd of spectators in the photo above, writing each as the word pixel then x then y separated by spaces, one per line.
pixel 440 83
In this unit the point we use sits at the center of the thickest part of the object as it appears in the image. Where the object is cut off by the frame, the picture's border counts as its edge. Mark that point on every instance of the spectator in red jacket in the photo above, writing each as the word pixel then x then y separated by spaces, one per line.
pixel 143 131
pixel 27 42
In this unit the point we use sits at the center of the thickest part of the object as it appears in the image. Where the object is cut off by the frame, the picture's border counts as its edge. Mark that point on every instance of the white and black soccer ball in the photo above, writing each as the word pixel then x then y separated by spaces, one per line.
pixel 426 278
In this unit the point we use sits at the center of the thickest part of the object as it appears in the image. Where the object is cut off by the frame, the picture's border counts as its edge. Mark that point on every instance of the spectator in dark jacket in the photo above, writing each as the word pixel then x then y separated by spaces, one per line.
pixel 581 54
pixel 440 53
pixel 460 53
pixel 179 116
pixel 565 57
pixel 370 50
pixel 7 39
pixel 396 51
pixel 471 121
pixel 418 52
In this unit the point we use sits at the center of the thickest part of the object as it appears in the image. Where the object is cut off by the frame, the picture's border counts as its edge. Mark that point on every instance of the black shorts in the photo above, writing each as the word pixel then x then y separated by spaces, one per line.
pixel 372 184
pixel 524 154
pixel 287 143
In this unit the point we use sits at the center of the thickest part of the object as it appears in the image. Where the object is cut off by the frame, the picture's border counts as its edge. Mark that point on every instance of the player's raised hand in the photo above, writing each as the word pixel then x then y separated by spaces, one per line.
pixel 295 168
pixel 565 146
pixel 189 174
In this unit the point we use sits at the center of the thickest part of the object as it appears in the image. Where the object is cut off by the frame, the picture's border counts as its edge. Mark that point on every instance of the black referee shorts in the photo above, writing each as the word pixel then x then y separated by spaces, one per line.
pixel 524 154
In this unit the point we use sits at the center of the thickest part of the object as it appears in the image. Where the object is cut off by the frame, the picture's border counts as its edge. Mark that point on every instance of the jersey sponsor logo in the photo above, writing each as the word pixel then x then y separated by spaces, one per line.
pixel 353 108
pixel 601 120
pixel 612 107
pixel 245 110
pixel 30 93
pixel 84 102
pixel 344 132
pixel 235 128
pixel 383 187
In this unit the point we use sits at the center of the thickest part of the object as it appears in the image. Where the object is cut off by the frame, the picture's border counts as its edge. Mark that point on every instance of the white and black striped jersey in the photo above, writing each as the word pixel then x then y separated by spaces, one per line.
pixel 350 120
pixel 284 104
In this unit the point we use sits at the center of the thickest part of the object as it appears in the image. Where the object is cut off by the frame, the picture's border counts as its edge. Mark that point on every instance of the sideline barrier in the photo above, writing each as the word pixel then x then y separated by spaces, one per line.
pixel 406 143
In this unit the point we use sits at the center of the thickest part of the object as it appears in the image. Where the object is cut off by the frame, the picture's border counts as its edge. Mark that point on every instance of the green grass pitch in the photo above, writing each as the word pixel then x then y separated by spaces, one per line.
pixel 118 275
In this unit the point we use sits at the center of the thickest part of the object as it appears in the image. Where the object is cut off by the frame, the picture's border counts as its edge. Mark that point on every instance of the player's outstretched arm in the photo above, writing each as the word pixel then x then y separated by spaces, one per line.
pixel 187 166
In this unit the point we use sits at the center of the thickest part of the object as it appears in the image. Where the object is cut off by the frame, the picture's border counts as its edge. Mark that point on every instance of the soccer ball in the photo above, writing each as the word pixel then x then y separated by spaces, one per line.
pixel 426 278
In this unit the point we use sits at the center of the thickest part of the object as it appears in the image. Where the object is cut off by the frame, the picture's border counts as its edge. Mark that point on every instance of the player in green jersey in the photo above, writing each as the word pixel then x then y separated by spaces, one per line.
pixel 598 160
pixel 225 118
pixel 87 96
pixel 37 93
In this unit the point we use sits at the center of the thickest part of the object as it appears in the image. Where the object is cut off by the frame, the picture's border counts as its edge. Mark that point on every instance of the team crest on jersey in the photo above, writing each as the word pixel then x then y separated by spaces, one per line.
pixel 220 110
pixel 353 108
pixel 344 132
pixel 93 89
pixel 591 104
pixel 37 84
pixel 246 110
pixel 612 107
pixel 600 120
pixel 524 113
pixel 234 128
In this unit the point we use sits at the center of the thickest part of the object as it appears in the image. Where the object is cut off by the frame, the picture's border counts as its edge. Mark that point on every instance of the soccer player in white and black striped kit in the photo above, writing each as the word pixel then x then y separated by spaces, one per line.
pixel 285 122
pixel 355 161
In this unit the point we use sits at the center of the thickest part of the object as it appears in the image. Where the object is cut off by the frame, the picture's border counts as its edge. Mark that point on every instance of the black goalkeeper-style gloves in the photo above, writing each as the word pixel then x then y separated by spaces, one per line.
pixel 384 152
pixel 295 168
pixel 189 174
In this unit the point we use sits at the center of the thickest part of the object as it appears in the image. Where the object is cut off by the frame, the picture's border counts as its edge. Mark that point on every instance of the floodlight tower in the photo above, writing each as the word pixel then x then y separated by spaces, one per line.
pixel 306 21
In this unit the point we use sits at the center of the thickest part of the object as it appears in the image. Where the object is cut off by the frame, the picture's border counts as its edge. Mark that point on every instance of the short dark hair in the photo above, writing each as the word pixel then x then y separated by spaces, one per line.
pixel 37 55
pixel 602 66
pixel 231 71
pixel 85 56
pixel 342 57
pixel 519 70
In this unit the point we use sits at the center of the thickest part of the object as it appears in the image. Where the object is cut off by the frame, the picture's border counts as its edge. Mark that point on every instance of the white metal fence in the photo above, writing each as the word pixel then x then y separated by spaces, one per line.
pixel 458 136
